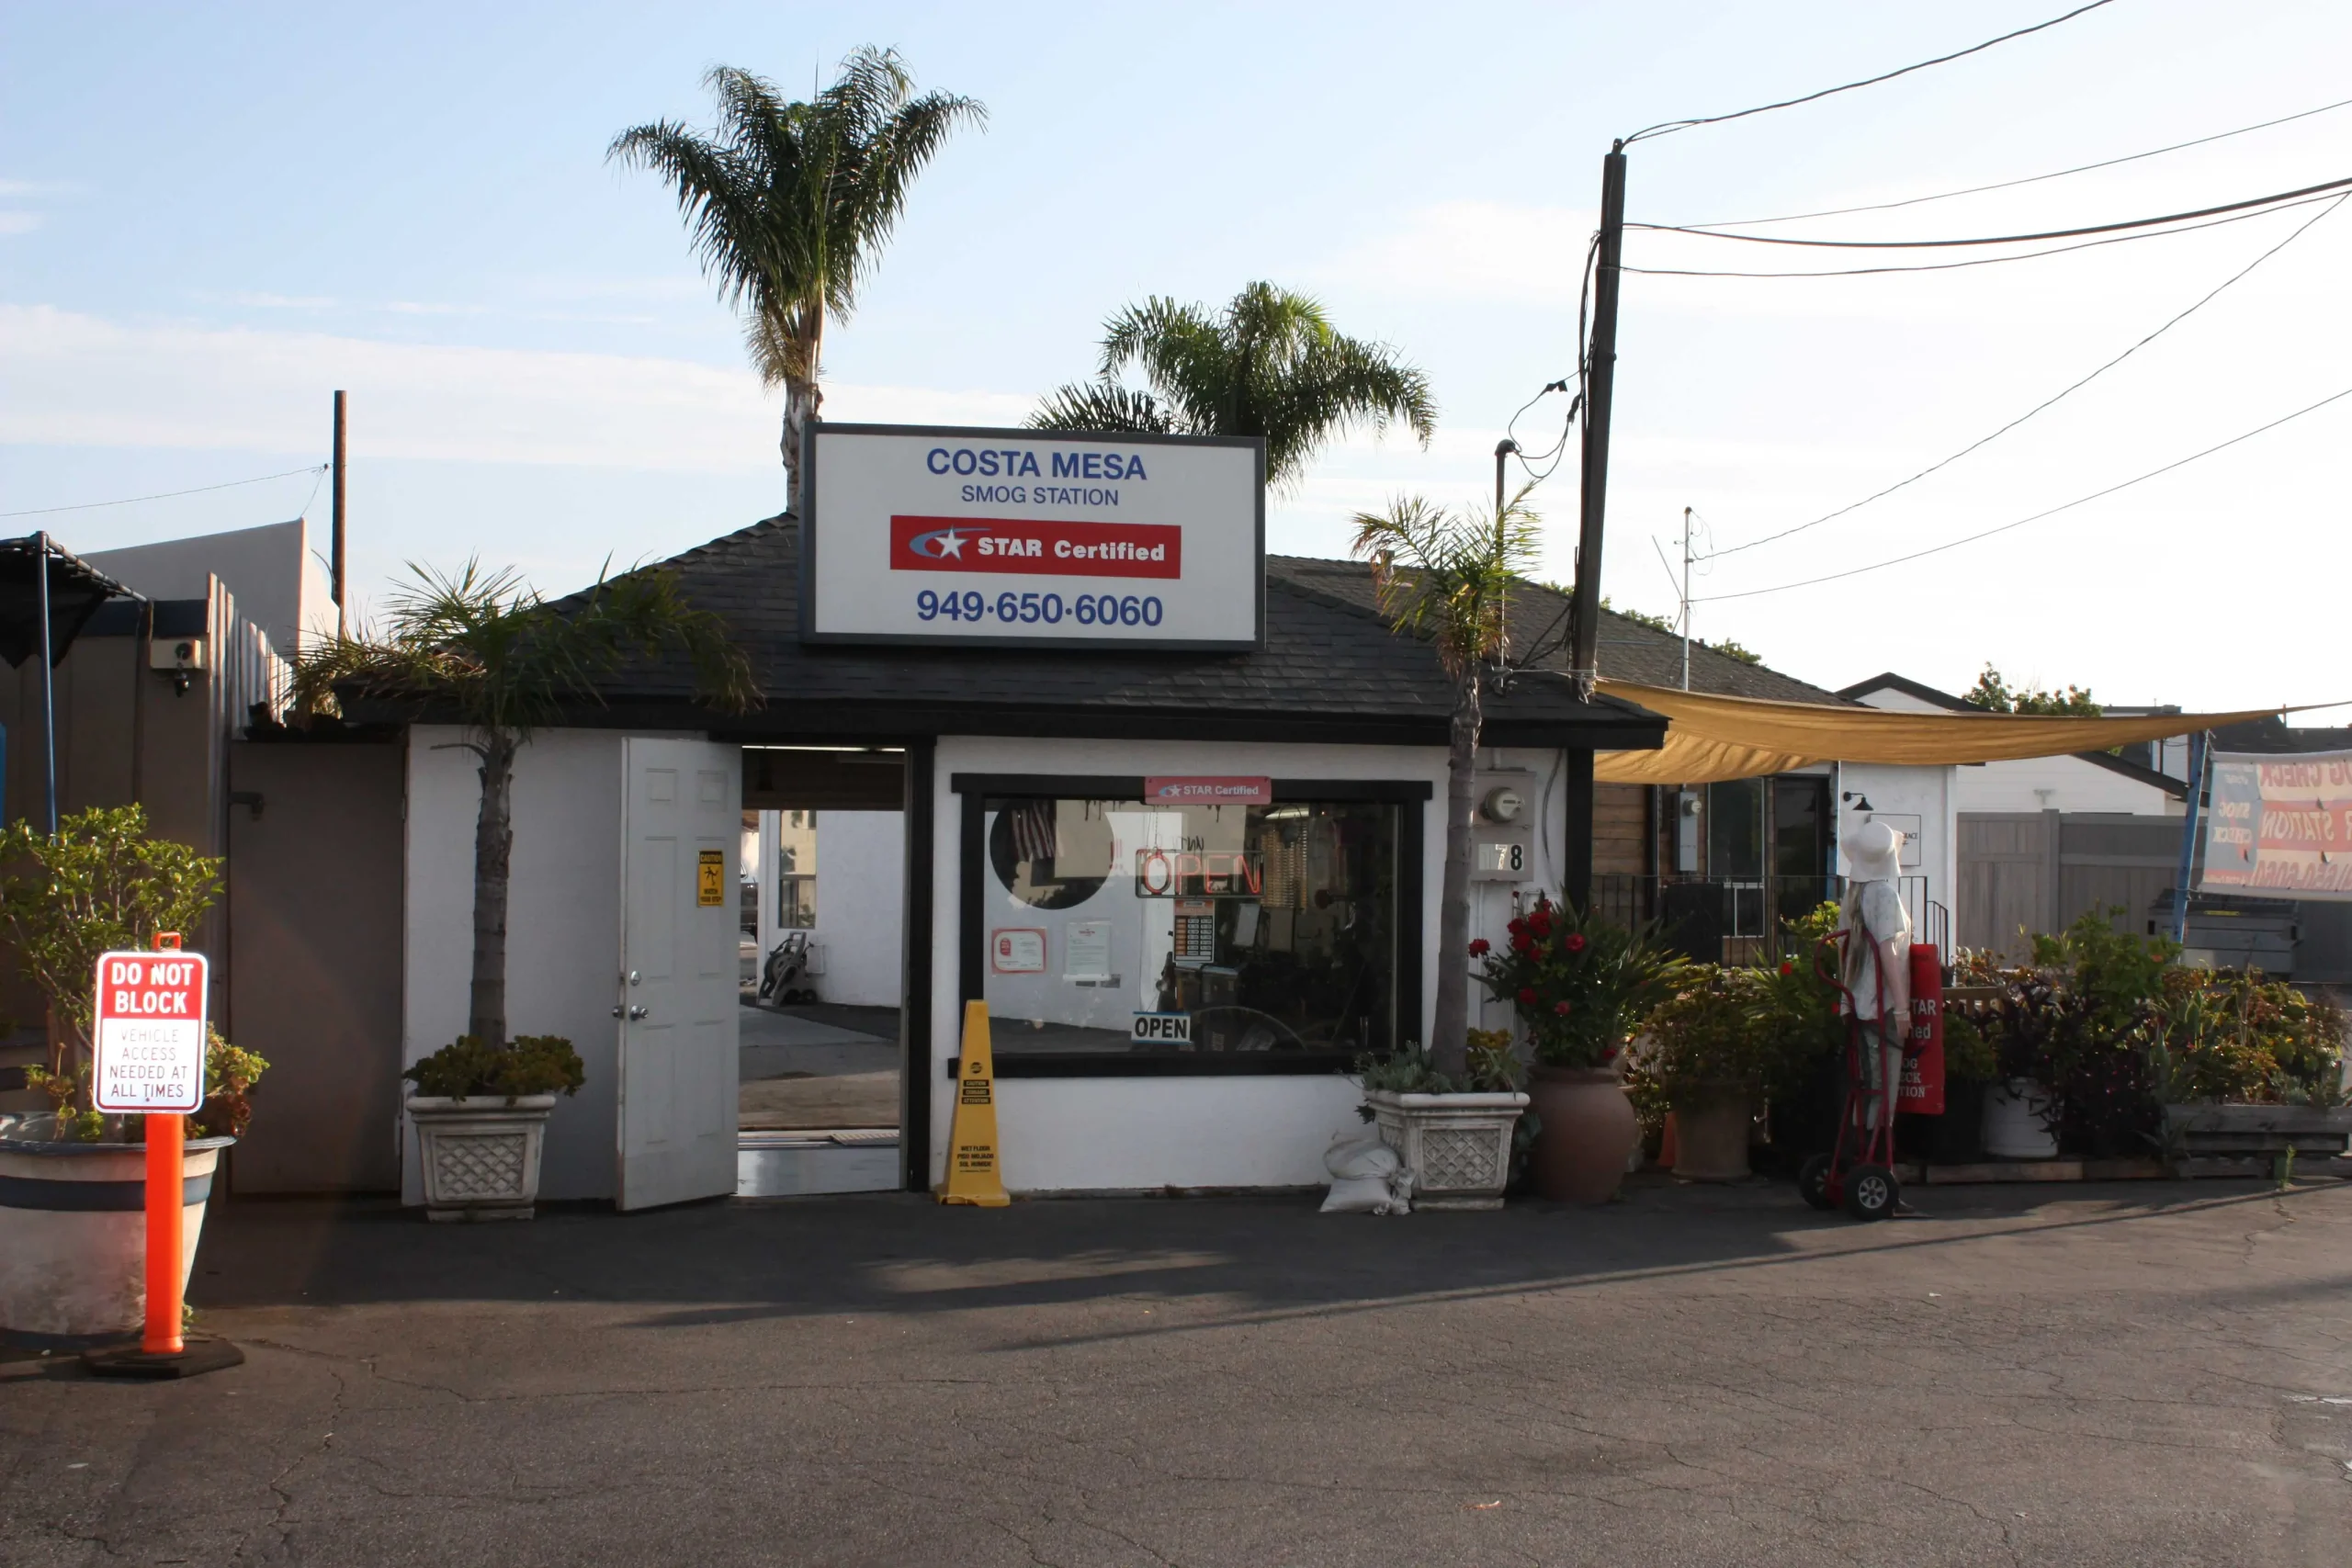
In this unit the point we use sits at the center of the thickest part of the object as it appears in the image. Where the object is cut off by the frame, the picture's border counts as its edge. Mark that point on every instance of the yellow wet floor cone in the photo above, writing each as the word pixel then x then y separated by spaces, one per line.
pixel 972 1173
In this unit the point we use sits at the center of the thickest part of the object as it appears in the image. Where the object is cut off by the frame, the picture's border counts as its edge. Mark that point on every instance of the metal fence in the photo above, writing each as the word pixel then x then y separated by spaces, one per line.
pixel 1744 919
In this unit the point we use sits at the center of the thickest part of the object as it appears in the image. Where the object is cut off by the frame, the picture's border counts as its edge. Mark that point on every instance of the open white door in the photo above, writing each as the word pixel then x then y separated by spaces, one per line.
pixel 677 995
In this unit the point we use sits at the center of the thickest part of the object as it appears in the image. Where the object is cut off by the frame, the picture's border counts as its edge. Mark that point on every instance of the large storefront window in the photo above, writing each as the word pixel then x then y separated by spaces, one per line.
pixel 1126 928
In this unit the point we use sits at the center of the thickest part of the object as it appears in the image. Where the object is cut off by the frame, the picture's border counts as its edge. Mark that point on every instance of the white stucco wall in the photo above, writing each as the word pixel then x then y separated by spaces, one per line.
pixel 861 905
pixel 1142 1133
pixel 563 927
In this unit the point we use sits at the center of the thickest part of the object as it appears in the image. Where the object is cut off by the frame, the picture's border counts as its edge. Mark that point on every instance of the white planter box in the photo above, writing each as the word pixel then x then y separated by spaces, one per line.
pixel 481 1155
pixel 1456 1146
pixel 74 1235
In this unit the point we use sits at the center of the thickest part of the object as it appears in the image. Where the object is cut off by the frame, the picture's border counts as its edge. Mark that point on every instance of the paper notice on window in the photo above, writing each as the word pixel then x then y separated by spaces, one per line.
pixel 1086 950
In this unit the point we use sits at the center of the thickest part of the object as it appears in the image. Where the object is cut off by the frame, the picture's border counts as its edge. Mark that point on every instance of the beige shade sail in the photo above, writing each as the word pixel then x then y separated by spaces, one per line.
pixel 1712 738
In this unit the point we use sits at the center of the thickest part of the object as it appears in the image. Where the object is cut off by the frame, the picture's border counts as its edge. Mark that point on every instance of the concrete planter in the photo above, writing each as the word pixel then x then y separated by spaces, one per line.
pixel 481 1155
pixel 2257 1129
pixel 1711 1134
pixel 2019 1120
pixel 73 1234
pixel 1456 1146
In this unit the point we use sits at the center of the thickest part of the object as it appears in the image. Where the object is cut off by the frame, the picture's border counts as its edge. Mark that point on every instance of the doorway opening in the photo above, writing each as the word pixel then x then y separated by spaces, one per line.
pixel 822 970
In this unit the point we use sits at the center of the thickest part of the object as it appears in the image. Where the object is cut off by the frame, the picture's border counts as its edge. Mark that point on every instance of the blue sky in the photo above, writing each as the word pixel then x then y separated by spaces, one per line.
pixel 211 217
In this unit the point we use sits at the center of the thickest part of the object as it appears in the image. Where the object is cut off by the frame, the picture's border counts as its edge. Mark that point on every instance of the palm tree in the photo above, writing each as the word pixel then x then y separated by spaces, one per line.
pixel 789 204
pixel 1269 365
pixel 483 648
pixel 1446 576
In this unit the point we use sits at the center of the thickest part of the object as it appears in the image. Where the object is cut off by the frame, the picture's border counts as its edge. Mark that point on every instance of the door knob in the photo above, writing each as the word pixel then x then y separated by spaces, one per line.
pixel 616 1012
pixel 636 1012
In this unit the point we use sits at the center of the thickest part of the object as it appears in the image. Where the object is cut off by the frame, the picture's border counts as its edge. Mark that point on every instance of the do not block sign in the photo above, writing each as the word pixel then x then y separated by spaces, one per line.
pixel 149 1051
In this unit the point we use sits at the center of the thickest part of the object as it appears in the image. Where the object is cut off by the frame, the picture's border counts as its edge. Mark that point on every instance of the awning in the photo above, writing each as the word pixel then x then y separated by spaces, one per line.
pixel 1711 737
pixel 76 589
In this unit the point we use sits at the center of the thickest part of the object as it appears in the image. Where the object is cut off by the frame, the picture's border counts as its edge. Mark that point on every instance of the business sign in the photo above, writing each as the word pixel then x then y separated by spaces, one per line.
pixel 1209 792
pixel 149 1045
pixel 1161 1029
pixel 2282 826
pixel 1200 873
pixel 915 534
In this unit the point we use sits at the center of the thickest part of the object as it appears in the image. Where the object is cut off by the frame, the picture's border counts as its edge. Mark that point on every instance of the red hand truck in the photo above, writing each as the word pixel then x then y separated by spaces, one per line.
pixel 1858 1173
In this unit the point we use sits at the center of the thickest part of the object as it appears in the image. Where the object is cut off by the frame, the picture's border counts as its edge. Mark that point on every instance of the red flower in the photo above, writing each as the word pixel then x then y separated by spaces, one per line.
pixel 1788 966
pixel 1575 941
pixel 1527 996
pixel 1610 1055
pixel 1560 1008
pixel 1540 922
pixel 1516 927
pixel 1478 948
pixel 1522 942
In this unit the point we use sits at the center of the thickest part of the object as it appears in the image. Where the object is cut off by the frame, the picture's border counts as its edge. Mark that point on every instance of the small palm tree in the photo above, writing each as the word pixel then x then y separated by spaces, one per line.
pixel 1445 576
pixel 485 650
pixel 789 204
pixel 1269 365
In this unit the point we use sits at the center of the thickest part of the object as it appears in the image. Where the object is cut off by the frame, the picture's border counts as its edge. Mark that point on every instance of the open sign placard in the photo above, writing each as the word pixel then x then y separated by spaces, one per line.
pixel 149 1044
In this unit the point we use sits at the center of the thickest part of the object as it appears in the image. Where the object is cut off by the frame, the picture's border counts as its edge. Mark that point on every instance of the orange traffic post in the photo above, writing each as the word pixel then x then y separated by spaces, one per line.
pixel 165 1135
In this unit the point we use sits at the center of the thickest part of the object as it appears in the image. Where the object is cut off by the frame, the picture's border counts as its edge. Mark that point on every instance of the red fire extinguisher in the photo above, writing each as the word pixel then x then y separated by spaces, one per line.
pixel 1923 1053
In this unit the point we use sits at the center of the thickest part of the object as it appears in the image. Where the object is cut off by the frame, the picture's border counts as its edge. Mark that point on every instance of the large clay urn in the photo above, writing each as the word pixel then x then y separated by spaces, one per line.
pixel 1588 1134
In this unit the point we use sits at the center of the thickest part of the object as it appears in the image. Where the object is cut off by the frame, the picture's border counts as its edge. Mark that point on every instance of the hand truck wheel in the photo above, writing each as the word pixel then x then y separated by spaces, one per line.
pixel 1871 1192
pixel 1813 1182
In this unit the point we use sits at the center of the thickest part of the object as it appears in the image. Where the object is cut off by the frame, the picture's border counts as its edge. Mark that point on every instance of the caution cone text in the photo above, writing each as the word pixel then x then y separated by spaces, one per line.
pixel 972 1173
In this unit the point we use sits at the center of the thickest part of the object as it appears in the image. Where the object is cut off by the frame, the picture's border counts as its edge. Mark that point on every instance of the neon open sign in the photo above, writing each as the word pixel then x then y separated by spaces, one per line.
pixel 1200 873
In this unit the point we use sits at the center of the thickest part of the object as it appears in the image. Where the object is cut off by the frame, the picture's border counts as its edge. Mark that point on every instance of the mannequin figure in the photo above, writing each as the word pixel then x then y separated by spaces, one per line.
pixel 1877 962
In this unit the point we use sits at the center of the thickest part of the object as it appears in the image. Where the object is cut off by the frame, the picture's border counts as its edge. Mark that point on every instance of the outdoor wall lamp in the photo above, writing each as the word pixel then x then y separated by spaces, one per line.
pixel 1861 802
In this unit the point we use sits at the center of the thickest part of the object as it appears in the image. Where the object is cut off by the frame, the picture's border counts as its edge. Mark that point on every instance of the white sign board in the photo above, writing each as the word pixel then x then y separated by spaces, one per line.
pixel 149 1051
pixel 914 533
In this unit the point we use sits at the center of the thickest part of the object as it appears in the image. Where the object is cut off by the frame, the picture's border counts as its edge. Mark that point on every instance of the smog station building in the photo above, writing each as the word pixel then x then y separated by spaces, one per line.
pixel 1171 809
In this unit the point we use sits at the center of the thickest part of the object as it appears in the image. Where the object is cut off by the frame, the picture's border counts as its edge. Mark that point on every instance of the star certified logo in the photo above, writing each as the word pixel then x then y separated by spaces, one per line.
pixel 946 544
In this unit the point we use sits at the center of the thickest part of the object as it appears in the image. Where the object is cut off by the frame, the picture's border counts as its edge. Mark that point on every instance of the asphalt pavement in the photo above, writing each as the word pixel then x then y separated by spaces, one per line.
pixel 2143 1373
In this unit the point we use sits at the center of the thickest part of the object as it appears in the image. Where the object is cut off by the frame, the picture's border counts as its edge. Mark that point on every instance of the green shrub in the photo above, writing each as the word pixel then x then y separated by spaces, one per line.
pixel 465 1068
pixel 2231 1035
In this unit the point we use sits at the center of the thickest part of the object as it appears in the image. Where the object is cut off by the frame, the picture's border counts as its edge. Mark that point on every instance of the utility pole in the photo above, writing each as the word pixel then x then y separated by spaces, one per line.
pixel 1601 376
pixel 342 617
pixel 1686 598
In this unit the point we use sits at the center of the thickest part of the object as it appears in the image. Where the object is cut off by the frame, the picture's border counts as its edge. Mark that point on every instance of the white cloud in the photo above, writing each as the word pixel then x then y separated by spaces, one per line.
pixel 79 379
pixel 19 222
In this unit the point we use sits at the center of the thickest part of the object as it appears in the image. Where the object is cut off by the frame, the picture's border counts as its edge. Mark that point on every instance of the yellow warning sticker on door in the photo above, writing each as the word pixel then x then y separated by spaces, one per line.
pixel 710 879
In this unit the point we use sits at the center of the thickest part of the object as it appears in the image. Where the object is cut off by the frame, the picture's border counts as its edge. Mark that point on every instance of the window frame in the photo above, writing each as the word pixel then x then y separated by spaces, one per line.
pixel 971 942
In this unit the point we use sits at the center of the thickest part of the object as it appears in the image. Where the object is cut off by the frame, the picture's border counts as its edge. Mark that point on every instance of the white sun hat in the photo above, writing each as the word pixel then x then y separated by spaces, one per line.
pixel 1875 852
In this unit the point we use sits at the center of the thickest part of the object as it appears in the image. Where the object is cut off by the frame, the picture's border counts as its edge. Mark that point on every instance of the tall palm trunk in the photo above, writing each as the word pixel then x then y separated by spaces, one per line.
pixel 493 851
pixel 801 336
pixel 800 400
pixel 1448 1030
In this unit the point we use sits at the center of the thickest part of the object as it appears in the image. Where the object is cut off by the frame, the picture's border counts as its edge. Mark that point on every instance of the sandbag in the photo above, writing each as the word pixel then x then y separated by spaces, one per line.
pixel 1366 1177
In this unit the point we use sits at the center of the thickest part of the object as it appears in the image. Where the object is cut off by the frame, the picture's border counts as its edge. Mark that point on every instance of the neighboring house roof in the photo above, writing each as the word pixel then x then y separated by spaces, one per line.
pixel 2276 735
pixel 1539 619
pixel 1330 671
pixel 1890 681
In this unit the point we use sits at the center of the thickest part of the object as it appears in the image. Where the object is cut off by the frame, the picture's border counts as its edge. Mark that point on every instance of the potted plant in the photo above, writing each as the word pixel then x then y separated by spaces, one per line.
pixel 72 1180
pixel 481 1114
pixel 1578 985
pixel 485 651
pixel 1454 1136
pixel 2248 1067
pixel 1706 1048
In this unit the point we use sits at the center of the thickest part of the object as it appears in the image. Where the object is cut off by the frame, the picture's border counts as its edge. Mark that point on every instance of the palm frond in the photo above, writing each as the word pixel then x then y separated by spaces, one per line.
pixel 1446 575
pixel 1102 406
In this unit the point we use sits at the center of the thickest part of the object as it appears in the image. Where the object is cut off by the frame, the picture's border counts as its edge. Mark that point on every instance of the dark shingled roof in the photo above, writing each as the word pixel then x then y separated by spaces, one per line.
pixel 1539 619
pixel 1330 671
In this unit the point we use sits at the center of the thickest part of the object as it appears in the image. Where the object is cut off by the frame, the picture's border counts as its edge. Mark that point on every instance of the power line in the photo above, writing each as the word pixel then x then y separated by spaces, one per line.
pixel 2279 199
pixel 1977 261
pixel 166 495
pixel 2029 179
pixel 2047 403
pixel 2067 506
pixel 1669 127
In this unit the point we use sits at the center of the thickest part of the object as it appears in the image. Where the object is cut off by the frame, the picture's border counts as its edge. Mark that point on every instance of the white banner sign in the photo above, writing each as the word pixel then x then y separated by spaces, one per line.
pixel 2280 826
pixel 914 533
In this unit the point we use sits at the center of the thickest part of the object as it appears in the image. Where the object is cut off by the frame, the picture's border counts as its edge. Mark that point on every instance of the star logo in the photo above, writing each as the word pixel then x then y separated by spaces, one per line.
pixel 951 543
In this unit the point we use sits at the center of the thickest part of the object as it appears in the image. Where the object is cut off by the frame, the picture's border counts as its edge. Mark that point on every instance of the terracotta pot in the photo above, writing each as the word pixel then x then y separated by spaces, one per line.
pixel 1713 1125
pixel 1588 1134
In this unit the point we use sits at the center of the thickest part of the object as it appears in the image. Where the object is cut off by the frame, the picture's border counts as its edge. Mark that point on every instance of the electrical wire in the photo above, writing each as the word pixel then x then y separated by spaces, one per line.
pixel 2010 185
pixel 2281 197
pixel 1977 261
pixel 2046 403
pixel 2052 512
pixel 166 495
pixel 1669 128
